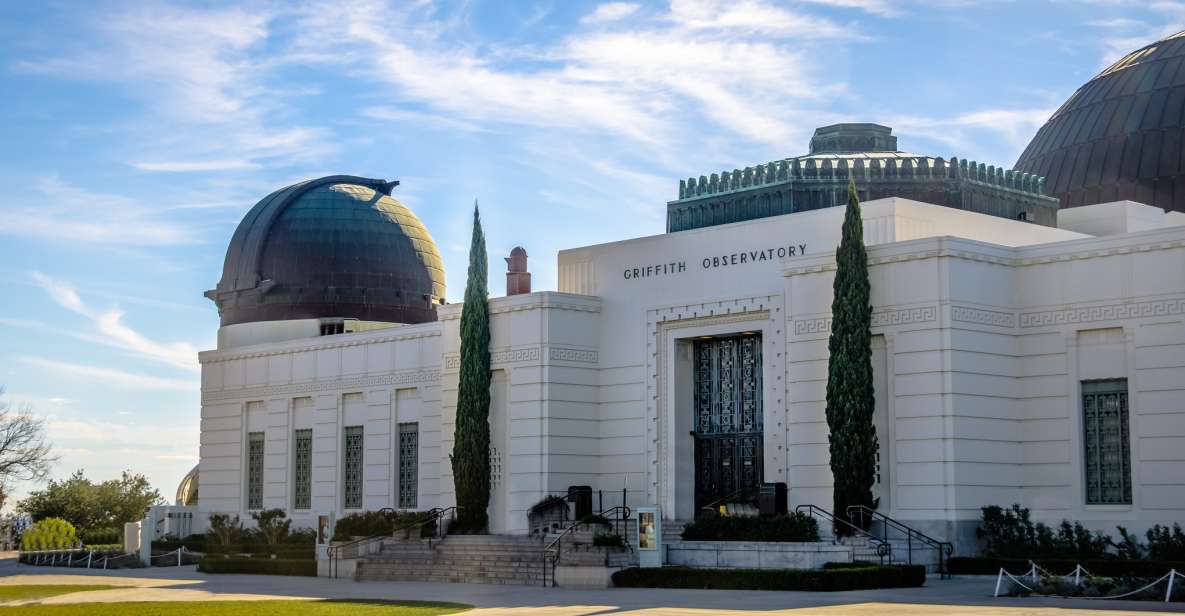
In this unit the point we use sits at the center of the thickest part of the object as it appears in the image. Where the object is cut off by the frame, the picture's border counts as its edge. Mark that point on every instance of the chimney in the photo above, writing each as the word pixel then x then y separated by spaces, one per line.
pixel 518 279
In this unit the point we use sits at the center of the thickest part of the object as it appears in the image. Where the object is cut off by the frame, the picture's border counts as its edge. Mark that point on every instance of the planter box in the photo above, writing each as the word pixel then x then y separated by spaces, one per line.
pixel 755 554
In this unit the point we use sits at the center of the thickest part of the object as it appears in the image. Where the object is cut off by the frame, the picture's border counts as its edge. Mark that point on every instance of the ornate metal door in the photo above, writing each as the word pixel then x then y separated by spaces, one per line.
pixel 728 416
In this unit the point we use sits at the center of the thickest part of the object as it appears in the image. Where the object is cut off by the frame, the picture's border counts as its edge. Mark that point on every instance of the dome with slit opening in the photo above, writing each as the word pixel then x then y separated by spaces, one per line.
pixel 334 247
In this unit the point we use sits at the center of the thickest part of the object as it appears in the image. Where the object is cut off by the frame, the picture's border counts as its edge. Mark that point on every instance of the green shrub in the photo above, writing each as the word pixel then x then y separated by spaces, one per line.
pixel 792 527
pixel 224 529
pixel 1109 567
pixel 263 566
pixel 896 576
pixel 273 524
pixel 855 564
pixel 1165 543
pixel 1011 533
pixel 375 523
pixel 49 534
pixel 608 540
pixel 100 536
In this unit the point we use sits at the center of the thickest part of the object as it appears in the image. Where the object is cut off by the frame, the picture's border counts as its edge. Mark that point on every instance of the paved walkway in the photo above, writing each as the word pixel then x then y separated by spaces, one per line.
pixel 969 595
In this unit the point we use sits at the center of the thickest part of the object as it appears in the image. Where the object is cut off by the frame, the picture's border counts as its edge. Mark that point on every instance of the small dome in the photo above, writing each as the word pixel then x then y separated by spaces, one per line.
pixel 1120 135
pixel 338 246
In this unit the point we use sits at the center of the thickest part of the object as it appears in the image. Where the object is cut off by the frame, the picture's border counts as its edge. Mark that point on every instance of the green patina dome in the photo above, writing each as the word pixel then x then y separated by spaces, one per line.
pixel 338 247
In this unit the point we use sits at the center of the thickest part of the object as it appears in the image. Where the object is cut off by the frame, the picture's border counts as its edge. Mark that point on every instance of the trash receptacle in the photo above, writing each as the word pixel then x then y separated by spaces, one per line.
pixel 771 499
pixel 581 499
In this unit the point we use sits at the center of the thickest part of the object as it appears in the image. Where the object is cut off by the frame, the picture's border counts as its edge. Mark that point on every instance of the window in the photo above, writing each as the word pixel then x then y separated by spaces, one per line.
pixel 255 470
pixel 1107 442
pixel 329 328
pixel 352 468
pixel 302 480
pixel 409 465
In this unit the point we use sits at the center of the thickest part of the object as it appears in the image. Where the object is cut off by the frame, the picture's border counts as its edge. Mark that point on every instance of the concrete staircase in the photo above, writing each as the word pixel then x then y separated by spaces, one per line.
pixel 473 559
pixel 486 559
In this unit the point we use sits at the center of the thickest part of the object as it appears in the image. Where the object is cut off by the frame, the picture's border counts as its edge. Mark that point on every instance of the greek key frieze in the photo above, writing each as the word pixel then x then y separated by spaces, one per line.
pixel 884 318
pixel 580 355
pixel 979 316
pixel 1109 312
pixel 411 377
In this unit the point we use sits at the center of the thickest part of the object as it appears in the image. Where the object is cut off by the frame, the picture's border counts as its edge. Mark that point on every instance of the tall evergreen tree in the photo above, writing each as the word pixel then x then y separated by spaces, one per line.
pixel 471 445
pixel 850 398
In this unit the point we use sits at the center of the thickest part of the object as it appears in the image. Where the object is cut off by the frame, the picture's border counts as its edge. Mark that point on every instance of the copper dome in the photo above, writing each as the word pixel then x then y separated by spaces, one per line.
pixel 338 246
pixel 1120 135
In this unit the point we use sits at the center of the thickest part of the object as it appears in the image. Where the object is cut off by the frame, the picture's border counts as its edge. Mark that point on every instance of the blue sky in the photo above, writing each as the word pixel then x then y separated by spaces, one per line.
pixel 135 135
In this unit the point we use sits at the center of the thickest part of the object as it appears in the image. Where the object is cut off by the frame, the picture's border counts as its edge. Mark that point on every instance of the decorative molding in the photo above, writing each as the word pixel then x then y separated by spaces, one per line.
pixel 496 308
pixel 1013 257
pixel 762 312
pixel 980 316
pixel 452 361
pixel 211 357
pixel 587 356
pixel 884 318
pixel 407 377
pixel 1107 312
pixel 511 356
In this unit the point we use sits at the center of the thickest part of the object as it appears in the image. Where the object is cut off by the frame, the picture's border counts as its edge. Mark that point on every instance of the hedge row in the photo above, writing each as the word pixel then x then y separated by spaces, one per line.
pixel 282 550
pixel 862 578
pixel 263 566
pixel 1111 567
pixel 792 527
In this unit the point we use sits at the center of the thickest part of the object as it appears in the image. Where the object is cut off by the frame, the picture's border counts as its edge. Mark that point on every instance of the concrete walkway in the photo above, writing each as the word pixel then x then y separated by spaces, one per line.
pixel 969 595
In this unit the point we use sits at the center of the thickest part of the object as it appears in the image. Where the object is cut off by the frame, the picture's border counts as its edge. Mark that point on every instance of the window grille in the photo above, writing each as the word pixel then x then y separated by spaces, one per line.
pixel 352 468
pixel 409 465
pixel 303 470
pixel 1107 442
pixel 255 470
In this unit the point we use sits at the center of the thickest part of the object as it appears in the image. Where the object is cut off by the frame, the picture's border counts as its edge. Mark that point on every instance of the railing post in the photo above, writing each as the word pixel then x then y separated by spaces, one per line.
pixel 909 546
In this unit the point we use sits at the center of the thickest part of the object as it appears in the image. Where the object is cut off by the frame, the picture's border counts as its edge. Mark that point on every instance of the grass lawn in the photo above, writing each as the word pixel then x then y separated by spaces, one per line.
pixel 343 607
pixel 20 592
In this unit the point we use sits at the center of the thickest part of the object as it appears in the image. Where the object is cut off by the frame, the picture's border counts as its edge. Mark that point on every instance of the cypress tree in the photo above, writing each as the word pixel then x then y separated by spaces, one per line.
pixel 471 445
pixel 850 400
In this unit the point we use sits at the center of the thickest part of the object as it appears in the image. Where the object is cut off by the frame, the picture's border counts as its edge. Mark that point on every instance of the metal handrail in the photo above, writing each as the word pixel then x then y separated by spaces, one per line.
pixel 884 549
pixel 712 506
pixel 434 515
pixel 551 552
pixel 945 549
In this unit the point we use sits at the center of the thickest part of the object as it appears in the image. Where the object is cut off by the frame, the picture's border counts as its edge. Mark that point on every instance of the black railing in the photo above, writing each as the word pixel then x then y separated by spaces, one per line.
pixel 436 514
pixel 619 515
pixel 884 549
pixel 944 549
pixel 743 494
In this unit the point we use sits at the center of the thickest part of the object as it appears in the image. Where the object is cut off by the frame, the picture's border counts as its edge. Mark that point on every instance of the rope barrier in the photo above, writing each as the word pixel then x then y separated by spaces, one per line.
pixel 1170 576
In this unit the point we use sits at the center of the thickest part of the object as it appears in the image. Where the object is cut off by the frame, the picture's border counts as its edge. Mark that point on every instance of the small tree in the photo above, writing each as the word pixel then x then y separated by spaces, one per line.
pixel 225 529
pixel 49 534
pixel 24 451
pixel 850 399
pixel 89 505
pixel 273 525
pixel 471 446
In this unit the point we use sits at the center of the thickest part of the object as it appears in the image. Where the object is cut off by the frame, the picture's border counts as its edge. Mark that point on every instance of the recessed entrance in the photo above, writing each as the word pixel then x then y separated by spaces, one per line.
pixel 727 422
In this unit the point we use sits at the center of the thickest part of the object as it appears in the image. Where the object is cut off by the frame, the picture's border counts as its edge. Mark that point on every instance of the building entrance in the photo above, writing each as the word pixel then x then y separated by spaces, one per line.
pixel 727 426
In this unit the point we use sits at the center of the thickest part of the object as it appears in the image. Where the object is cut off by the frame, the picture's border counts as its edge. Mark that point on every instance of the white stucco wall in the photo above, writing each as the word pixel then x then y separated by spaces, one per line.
pixel 983 329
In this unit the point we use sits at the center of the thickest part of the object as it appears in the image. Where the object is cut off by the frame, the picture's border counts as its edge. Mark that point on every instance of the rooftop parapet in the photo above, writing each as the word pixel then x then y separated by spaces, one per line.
pixel 896 168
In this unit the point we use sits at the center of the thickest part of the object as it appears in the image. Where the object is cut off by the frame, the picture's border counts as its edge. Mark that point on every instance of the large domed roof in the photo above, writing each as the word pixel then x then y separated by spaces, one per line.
pixel 338 246
pixel 1120 135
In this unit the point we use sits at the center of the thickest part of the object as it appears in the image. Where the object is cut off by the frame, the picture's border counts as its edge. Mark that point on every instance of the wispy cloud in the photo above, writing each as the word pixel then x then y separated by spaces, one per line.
pixel 115 378
pixel 196 165
pixel 204 82
pixel 110 330
pixel 610 11
pixel 57 210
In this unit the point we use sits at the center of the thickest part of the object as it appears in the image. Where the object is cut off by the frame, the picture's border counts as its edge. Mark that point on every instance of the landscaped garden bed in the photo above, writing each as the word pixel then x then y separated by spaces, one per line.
pixel 262 566
pixel 828 579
